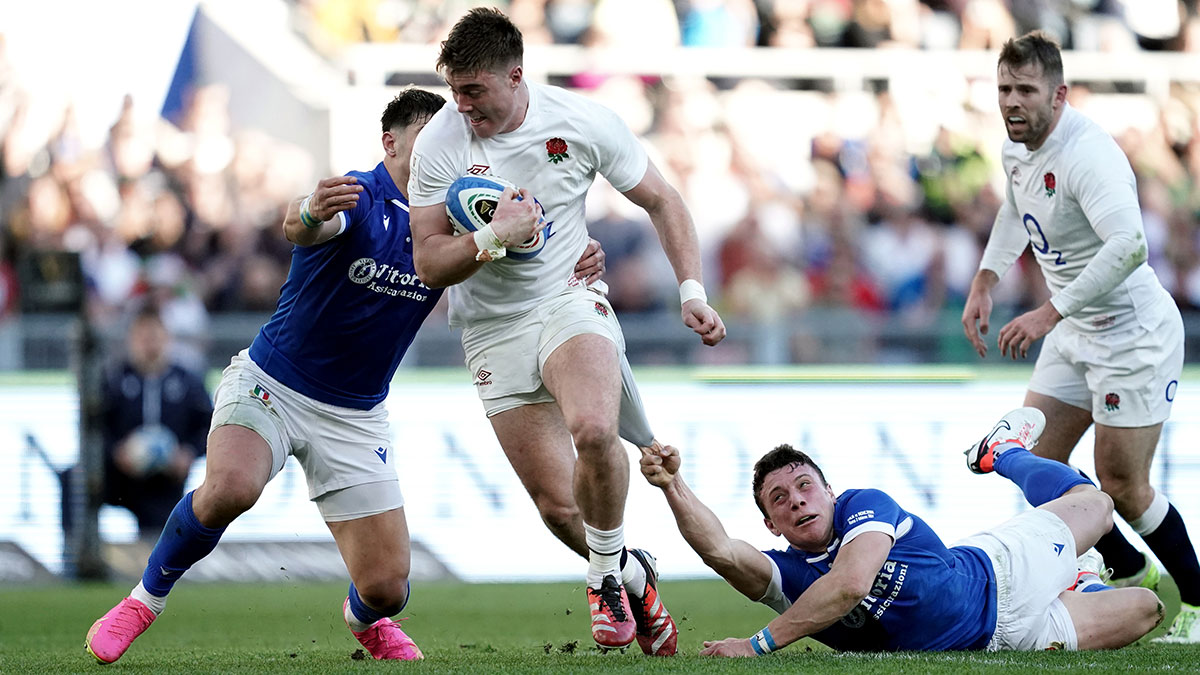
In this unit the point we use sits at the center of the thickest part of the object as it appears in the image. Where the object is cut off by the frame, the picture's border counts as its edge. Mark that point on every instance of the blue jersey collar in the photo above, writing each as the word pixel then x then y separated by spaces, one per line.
pixel 390 189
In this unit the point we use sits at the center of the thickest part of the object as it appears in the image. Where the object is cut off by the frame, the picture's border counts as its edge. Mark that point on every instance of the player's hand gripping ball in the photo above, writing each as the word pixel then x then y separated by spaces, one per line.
pixel 470 203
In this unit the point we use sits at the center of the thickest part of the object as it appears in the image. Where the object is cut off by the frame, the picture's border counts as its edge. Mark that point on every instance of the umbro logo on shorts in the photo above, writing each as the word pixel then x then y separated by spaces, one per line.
pixel 483 378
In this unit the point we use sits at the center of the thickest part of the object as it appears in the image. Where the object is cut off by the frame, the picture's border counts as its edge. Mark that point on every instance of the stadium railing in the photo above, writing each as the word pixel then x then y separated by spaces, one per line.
pixel 820 336
pixel 848 69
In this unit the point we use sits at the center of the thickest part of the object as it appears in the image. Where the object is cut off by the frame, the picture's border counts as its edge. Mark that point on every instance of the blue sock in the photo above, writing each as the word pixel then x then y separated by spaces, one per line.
pixel 368 615
pixel 183 542
pixel 1039 478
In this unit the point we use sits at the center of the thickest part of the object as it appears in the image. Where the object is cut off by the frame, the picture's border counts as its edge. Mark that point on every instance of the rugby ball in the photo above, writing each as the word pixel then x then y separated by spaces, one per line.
pixel 149 448
pixel 470 203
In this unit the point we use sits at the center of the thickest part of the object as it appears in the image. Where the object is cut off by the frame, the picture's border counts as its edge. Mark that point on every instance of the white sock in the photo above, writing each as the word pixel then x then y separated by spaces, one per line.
pixel 1087 580
pixel 604 553
pixel 155 603
pixel 633 576
pixel 1150 520
pixel 352 621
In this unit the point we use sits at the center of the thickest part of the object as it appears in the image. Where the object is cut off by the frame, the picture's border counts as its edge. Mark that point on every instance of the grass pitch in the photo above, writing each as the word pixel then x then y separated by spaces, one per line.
pixel 485 628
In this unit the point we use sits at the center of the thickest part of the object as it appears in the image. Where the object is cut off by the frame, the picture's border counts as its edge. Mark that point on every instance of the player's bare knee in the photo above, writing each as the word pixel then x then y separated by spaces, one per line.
pixel 1087 497
pixel 558 516
pixel 1130 498
pixel 1151 609
pixel 591 433
pixel 1146 611
pixel 1103 504
pixel 1084 489
pixel 227 494
pixel 1119 484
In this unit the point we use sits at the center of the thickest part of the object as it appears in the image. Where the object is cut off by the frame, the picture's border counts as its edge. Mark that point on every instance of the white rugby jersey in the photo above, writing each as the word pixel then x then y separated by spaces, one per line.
pixel 563 142
pixel 1076 178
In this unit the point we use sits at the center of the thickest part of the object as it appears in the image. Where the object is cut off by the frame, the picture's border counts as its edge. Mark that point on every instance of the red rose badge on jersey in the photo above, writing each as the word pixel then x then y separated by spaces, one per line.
pixel 556 150
pixel 1049 180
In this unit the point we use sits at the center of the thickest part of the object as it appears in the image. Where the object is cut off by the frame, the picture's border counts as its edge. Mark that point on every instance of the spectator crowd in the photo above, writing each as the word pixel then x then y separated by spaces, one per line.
pixel 876 201
pixel 1092 25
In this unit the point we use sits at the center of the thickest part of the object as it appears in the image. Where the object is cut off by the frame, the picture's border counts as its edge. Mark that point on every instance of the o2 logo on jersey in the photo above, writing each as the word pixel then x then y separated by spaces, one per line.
pixel 362 270
pixel 1044 246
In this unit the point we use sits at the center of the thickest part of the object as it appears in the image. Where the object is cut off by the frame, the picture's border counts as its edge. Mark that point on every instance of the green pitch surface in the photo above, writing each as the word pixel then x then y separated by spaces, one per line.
pixel 502 628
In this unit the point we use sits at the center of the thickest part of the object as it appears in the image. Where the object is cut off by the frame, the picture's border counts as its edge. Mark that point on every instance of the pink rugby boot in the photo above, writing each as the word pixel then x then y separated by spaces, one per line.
pixel 384 640
pixel 112 633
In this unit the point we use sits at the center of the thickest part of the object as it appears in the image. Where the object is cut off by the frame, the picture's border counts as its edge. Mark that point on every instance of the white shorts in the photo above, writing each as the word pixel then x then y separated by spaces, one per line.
pixel 346 454
pixel 1033 555
pixel 1127 379
pixel 506 356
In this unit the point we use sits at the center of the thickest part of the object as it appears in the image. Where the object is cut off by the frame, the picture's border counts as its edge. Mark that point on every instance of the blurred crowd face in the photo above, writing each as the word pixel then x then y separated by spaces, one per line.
pixel 1027 103
pixel 49 208
pixel 489 100
pixel 148 341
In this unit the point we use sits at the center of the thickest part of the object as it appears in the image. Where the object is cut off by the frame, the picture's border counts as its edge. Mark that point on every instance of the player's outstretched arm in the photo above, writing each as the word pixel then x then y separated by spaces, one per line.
pixel 442 259
pixel 823 603
pixel 310 220
pixel 1005 244
pixel 745 568
pixel 978 310
pixel 677 233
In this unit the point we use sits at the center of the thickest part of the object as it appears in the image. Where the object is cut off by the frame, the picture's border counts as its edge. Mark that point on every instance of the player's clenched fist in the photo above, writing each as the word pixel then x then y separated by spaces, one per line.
pixel 660 464
pixel 704 320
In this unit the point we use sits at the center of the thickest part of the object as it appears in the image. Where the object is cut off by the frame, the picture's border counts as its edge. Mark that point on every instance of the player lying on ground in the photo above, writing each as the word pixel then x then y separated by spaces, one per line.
pixel 862 574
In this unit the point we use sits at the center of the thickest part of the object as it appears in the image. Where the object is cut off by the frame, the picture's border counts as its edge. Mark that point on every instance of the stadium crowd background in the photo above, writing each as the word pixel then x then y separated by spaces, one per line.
pixel 873 202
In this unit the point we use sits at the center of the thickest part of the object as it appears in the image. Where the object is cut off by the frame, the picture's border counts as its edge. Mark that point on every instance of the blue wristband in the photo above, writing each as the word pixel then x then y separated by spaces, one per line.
pixel 763 642
pixel 307 218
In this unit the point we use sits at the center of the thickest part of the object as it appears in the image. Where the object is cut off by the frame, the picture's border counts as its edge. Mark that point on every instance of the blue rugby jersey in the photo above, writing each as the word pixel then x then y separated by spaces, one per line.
pixel 925 597
pixel 350 307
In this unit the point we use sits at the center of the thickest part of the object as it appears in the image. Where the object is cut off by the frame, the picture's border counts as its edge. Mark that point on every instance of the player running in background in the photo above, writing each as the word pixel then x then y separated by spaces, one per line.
pixel 551 350
pixel 862 574
pixel 1114 338
pixel 312 385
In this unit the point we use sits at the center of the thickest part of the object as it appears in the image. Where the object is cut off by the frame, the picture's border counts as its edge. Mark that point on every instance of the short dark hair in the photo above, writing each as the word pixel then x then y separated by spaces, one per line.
pixel 484 40
pixel 1034 47
pixel 783 455
pixel 409 106
pixel 148 311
